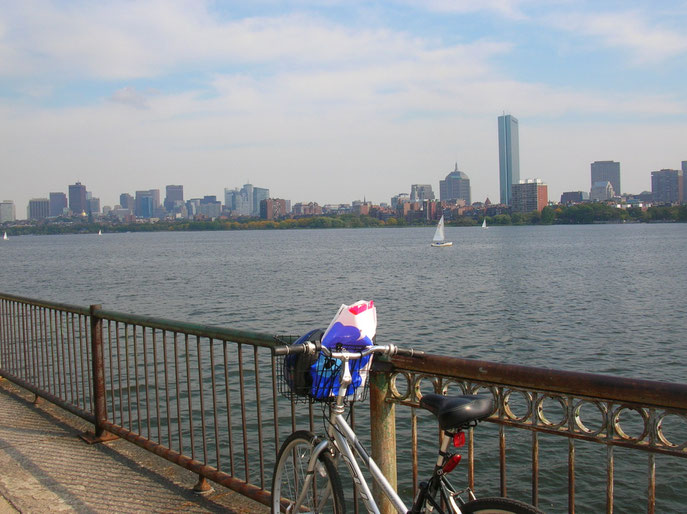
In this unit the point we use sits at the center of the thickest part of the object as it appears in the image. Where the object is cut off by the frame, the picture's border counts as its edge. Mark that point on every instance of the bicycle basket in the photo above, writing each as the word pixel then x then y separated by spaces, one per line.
pixel 316 378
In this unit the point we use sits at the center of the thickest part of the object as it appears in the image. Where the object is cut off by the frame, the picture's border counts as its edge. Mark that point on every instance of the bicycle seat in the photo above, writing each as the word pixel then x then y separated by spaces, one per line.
pixel 457 411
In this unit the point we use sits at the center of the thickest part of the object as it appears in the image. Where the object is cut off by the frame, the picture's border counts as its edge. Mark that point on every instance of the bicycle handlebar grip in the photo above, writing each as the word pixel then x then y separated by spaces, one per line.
pixel 289 350
pixel 409 352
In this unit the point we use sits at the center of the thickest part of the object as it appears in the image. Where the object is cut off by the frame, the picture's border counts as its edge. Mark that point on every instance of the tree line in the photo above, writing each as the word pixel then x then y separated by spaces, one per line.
pixel 585 213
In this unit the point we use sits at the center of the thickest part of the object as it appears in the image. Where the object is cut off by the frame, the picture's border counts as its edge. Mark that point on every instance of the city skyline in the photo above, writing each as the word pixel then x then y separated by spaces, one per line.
pixel 338 101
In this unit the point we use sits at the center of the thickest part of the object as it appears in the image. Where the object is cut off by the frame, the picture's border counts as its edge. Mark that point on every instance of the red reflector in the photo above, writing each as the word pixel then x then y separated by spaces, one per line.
pixel 452 463
pixel 458 439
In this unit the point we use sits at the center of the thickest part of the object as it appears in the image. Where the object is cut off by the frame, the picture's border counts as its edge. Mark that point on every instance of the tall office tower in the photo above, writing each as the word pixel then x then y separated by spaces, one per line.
pixel 93 205
pixel 421 192
pixel 456 186
pixel 666 186
pixel 247 197
pixel 38 209
pixel 509 156
pixel 77 199
pixel 58 203
pixel 126 201
pixel 144 204
pixel 529 195
pixel 7 211
pixel 173 194
pixel 259 194
pixel 230 196
pixel 607 171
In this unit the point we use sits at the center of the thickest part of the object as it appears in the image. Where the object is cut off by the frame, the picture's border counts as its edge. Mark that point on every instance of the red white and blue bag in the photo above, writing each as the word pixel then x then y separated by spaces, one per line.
pixel 353 328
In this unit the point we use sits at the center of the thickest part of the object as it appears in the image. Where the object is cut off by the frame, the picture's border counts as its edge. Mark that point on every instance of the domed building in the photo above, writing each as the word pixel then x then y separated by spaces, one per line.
pixel 456 186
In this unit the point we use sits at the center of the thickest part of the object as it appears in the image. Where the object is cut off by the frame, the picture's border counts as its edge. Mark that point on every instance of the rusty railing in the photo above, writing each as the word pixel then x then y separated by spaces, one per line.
pixel 206 399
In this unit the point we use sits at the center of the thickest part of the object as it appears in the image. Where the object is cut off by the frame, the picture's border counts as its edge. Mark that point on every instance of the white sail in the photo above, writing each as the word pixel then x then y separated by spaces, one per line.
pixel 439 234
pixel 5 236
pixel 484 223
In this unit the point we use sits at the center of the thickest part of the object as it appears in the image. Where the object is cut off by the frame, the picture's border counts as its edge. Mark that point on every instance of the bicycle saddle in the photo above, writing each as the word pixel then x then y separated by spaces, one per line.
pixel 457 411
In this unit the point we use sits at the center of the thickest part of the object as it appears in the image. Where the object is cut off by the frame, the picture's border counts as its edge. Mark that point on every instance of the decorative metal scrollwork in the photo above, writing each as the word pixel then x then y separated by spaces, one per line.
pixel 581 417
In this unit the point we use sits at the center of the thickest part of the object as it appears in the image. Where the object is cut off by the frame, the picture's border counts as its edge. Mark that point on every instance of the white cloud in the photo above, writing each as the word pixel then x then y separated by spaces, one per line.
pixel 631 31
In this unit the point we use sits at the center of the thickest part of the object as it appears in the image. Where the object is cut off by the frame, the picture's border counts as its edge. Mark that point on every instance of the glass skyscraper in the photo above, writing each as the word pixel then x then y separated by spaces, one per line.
pixel 509 156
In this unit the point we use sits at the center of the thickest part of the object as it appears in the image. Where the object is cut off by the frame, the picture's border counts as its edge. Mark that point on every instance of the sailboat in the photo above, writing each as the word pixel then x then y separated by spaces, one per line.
pixel 100 232
pixel 484 223
pixel 439 238
pixel 5 236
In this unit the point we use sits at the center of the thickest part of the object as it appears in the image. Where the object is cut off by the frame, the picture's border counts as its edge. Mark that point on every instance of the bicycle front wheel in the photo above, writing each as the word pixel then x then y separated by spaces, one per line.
pixel 498 506
pixel 324 494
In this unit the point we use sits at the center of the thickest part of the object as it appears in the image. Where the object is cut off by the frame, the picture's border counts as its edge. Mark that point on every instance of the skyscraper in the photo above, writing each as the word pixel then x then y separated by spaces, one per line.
pixel 509 156
pixel 607 171
pixel 421 192
pixel 174 197
pixel 77 199
pixel 456 186
pixel 38 209
pixel 58 203
pixel 259 194
pixel 666 186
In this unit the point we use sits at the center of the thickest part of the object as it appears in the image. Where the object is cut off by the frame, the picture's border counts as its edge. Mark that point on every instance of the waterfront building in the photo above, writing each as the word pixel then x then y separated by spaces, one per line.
pixel 509 156
pixel 38 209
pixel 456 186
pixel 399 199
pixel 77 199
pixel 7 211
pixel 273 208
pixel 529 195
pixel 126 201
pixel 607 171
pixel 259 194
pixel 247 200
pixel 667 186
pixel 58 204
pixel 601 191
pixel 174 197
pixel 93 205
pixel 571 197
pixel 307 209
pixel 210 207
pixel 421 192
pixel 147 203
pixel 684 181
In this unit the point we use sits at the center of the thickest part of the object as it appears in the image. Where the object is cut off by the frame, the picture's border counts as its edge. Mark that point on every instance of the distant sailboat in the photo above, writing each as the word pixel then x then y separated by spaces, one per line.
pixel 5 236
pixel 100 232
pixel 439 238
pixel 484 223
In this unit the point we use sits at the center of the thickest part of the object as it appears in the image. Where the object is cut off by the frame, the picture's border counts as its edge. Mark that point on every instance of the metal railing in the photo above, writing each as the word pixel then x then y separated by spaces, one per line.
pixel 206 399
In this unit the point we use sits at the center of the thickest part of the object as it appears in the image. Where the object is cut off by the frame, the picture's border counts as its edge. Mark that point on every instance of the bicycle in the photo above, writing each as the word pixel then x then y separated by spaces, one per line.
pixel 306 478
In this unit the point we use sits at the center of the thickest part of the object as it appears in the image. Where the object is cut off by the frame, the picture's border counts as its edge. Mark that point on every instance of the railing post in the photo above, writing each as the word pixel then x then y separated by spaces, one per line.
pixel 383 435
pixel 98 379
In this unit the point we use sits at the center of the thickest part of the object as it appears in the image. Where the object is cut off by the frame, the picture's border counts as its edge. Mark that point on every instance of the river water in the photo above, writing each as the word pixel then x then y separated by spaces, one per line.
pixel 598 298
pixel 607 299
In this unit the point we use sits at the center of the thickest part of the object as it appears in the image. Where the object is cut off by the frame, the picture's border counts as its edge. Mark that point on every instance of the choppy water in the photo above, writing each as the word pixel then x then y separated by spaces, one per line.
pixel 604 298
pixel 601 298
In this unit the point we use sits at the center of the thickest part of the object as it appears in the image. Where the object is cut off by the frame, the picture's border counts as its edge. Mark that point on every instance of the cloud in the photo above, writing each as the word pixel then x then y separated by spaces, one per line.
pixel 132 97
pixel 506 8
pixel 631 31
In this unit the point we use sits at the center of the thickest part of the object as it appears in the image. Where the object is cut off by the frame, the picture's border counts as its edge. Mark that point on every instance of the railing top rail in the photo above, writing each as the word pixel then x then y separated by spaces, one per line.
pixel 47 304
pixel 620 389
pixel 227 334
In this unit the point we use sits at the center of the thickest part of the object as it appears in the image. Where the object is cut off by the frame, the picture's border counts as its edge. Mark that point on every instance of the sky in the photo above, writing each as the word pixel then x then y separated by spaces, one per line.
pixel 335 101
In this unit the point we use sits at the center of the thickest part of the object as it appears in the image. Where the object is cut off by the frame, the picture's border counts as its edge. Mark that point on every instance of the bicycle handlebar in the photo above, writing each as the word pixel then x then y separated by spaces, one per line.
pixel 310 347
